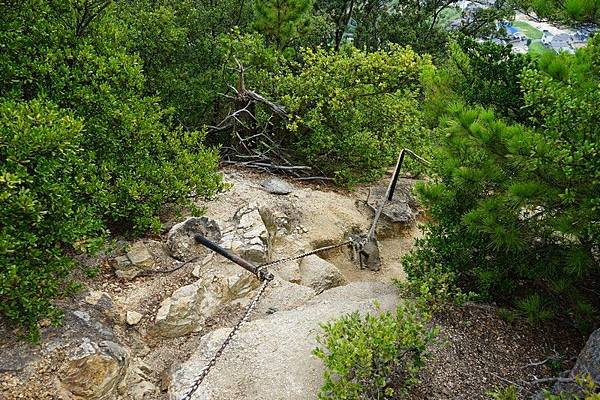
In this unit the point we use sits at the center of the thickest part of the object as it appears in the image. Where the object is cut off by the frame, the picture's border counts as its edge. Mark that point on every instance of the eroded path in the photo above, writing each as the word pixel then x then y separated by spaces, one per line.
pixel 138 333
pixel 142 334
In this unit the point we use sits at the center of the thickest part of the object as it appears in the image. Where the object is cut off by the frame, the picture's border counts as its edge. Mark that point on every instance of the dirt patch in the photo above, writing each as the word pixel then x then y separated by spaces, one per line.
pixel 480 352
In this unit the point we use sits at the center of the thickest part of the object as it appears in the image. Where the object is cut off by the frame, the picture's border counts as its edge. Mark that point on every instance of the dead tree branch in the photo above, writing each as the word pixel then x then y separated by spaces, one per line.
pixel 254 144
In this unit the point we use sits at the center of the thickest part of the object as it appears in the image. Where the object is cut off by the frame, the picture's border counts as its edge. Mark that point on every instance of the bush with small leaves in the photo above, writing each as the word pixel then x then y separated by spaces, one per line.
pixel 353 111
pixel 113 159
pixel 375 356
pixel 45 208
pixel 506 393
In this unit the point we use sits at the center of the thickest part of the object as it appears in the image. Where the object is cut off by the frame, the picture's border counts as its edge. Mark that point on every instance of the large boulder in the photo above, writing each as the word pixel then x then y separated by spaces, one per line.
pixel 289 271
pixel 319 274
pixel 181 242
pixel 271 358
pixel 403 208
pixel 93 371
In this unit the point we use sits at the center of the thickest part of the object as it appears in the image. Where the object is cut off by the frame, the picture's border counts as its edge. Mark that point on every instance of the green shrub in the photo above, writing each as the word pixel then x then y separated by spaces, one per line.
pixel 353 111
pixel 431 284
pixel 506 393
pixel 140 162
pixel 515 208
pixel 114 159
pixel 373 357
pixel 506 215
pixel 45 207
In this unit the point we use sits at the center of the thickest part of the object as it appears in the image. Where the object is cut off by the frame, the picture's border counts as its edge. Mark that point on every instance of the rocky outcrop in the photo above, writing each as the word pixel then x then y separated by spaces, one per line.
pixel 139 382
pixel 271 358
pixel 93 370
pixel 185 311
pixel 137 259
pixel 319 274
pixel 250 238
pixel 181 242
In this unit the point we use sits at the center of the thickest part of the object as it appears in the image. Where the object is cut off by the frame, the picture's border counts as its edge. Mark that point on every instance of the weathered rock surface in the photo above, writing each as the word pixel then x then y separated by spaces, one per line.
pixel 181 242
pixel 403 208
pixel 588 362
pixel 271 357
pixel 93 370
pixel 139 384
pixel 137 259
pixel 282 295
pixel 277 186
pixel 226 280
pixel 319 274
pixel 289 271
pixel 250 238
pixel 185 311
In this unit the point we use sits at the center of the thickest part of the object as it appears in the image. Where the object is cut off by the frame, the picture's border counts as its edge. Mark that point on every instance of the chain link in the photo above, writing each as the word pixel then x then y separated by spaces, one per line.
pixel 308 253
pixel 262 273
pixel 226 342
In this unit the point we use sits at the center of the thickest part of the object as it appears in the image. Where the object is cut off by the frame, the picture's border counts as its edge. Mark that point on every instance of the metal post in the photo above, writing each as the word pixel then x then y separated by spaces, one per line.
pixel 389 194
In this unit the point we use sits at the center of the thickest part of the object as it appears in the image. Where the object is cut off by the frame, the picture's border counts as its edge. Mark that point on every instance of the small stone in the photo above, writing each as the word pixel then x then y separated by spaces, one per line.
pixel 122 262
pixel 133 317
pixel 277 186
pixel 208 258
pixel 45 322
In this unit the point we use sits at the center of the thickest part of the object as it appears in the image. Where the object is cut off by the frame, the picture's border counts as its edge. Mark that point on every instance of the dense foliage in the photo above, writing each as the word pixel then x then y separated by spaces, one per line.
pixel 353 111
pixel 420 24
pixel 515 208
pixel 44 205
pixel 565 11
pixel 82 146
pixel 375 356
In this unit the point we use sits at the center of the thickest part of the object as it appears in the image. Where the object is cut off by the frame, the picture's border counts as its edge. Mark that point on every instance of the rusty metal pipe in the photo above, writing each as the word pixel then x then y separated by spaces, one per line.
pixel 260 273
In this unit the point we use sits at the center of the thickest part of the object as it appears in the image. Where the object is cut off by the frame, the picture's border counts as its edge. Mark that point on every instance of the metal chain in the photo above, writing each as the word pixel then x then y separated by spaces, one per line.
pixel 261 269
pixel 226 342
pixel 308 253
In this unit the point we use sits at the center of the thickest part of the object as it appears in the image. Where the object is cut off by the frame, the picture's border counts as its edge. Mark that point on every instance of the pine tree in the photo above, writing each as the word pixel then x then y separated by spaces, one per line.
pixel 516 208
pixel 279 20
